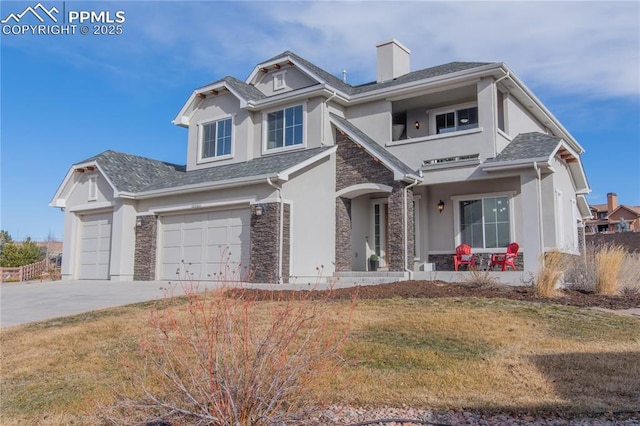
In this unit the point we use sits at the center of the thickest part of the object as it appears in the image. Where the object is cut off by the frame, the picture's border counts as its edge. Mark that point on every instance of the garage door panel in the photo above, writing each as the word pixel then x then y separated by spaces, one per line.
pixel 95 246
pixel 206 240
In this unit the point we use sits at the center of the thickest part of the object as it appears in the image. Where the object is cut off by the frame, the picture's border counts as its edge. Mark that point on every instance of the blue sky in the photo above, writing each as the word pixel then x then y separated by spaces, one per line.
pixel 65 98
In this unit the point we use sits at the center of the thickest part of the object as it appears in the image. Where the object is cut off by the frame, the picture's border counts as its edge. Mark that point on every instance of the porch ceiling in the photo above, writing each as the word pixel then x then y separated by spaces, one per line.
pixel 357 190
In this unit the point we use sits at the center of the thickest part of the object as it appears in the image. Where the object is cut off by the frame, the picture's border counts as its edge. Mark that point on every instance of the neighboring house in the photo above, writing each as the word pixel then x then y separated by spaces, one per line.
pixel 607 217
pixel 295 173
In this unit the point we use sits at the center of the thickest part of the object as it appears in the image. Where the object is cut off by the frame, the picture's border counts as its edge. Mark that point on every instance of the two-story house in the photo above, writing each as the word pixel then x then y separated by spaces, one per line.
pixel 607 218
pixel 294 172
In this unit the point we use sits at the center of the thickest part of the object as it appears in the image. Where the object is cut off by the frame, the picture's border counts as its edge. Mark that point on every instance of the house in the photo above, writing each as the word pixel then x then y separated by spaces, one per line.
pixel 295 174
pixel 608 217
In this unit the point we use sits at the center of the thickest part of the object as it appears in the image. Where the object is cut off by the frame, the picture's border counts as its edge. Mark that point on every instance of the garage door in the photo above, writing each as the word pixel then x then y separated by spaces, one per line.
pixel 205 243
pixel 95 246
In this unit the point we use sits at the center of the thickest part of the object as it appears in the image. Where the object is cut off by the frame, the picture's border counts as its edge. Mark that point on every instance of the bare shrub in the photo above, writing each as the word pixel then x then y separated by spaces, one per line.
pixel 581 273
pixel 608 261
pixel 550 272
pixel 480 278
pixel 225 358
pixel 629 275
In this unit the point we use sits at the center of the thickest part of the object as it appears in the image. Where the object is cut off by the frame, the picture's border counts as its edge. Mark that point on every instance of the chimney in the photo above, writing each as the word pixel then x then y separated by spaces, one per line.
pixel 612 202
pixel 393 60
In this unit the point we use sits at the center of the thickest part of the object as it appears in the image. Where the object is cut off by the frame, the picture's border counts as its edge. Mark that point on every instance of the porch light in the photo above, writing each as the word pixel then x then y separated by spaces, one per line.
pixel 440 206
pixel 259 210
pixel 138 222
pixel 417 124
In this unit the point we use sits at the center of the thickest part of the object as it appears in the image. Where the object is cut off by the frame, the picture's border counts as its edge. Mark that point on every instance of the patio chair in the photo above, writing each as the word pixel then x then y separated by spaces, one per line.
pixel 463 256
pixel 507 259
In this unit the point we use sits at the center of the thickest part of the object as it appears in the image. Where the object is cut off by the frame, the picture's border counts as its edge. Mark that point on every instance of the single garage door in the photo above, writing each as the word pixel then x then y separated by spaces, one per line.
pixel 205 244
pixel 95 246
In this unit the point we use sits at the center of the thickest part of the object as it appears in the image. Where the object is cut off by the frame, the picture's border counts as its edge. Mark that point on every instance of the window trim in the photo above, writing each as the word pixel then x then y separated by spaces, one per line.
pixel 200 125
pixel 265 130
pixel 456 216
pixel 432 113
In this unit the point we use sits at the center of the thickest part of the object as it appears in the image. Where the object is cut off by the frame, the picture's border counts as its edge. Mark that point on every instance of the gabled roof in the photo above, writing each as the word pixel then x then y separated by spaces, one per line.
pixel 530 147
pixel 134 176
pixel 630 209
pixel 400 169
pixel 323 76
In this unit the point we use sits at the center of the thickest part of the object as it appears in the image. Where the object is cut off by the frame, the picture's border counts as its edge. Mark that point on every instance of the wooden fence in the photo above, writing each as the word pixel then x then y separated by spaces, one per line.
pixel 24 273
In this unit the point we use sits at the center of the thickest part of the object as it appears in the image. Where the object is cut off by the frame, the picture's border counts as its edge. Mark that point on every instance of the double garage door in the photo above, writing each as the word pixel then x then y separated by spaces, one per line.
pixel 95 246
pixel 205 245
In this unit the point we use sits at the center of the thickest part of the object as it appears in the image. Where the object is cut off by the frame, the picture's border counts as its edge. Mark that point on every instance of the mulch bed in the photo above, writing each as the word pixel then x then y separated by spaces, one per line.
pixel 440 289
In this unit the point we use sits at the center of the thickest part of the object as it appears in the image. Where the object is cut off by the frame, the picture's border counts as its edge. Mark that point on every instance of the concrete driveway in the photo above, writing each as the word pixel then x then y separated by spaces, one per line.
pixel 25 302
pixel 31 301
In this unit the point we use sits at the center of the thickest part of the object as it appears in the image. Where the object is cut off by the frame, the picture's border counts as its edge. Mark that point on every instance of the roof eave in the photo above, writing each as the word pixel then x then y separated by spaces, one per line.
pixel 183 117
pixel 516 164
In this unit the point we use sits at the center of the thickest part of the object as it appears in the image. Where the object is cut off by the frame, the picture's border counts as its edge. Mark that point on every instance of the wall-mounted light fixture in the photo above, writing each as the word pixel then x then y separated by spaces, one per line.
pixel 138 222
pixel 417 124
pixel 440 206
pixel 259 210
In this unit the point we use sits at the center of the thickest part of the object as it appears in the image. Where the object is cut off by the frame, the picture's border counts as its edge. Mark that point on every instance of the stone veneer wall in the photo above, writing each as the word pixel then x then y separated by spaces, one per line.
pixel 354 166
pixel 264 237
pixel 144 266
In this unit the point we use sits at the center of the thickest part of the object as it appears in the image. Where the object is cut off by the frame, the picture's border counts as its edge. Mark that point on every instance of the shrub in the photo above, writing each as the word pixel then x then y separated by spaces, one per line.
pixel 608 261
pixel 480 278
pixel 226 359
pixel 629 275
pixel 550 272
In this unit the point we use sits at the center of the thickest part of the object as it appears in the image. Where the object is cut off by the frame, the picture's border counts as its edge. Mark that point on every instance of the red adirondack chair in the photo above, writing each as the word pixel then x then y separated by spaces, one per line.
pixel 463 256
pixel 505 260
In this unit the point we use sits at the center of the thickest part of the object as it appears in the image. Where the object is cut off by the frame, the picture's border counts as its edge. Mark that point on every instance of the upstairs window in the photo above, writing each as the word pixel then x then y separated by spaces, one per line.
pixel 454 121
pixel 216 139
pixel 284 128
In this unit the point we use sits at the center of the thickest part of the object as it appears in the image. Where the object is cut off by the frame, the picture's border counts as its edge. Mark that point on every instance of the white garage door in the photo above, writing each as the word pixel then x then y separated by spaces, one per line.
pixel 205 244
pixel 95 246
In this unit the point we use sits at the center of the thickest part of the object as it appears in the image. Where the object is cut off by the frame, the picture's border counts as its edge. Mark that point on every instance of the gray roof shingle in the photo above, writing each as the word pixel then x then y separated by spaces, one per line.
pixel 374 147
pixel 422 74
pixel 131 173
pixel 247 91
pixel 527 146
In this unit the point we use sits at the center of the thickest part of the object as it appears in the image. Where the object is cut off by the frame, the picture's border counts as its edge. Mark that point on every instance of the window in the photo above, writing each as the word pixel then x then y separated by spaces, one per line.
pixel 284 128
pixel 453 121
pixel 485 222
pixel 216 139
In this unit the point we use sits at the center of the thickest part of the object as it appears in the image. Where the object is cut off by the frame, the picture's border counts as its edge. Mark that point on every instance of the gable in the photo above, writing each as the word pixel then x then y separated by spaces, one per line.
pixel 624 212
pixel 282 79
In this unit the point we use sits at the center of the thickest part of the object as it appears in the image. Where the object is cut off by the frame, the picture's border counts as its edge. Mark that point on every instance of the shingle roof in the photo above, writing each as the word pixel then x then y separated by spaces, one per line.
pixel 367 87
pixel 131 173
pixel 372 146
pixel 528 146
pixel 247 91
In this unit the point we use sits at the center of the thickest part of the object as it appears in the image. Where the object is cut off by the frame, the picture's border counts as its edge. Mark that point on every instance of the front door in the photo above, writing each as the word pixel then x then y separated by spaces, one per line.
pixel 380 231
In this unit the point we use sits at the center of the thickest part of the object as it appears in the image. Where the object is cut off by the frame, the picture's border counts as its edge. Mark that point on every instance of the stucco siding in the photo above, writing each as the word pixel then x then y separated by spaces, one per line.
pixel 215 108
pixel 374 119
pixel 312 196
pixel 80 193
pixel 519 119
pixel 293 79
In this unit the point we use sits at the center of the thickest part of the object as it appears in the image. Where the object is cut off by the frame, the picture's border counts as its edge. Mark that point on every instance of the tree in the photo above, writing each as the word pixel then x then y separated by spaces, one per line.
pixel 19 255
pixel 4 239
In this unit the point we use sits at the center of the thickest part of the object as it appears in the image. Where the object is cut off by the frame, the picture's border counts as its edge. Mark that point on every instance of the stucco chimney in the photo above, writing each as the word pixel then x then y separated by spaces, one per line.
pixel 393 60
pixel 612 202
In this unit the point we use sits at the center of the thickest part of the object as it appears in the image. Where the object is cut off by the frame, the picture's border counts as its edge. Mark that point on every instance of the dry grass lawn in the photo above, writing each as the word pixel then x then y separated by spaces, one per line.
pixel 487 354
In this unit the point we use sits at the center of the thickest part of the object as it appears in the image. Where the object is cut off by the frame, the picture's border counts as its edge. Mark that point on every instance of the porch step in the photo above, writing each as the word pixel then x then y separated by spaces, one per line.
pixel 364 278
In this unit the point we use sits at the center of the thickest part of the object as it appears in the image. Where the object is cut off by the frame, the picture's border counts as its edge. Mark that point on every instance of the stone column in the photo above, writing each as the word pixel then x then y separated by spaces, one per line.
pixel 343 234
pixel 144 268
pixel 265 247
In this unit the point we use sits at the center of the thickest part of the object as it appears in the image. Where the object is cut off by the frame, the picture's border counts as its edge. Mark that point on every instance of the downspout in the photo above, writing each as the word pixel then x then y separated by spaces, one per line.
pixel 281 230
pixel 406 227
pixel 540 221
pixel 324 115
